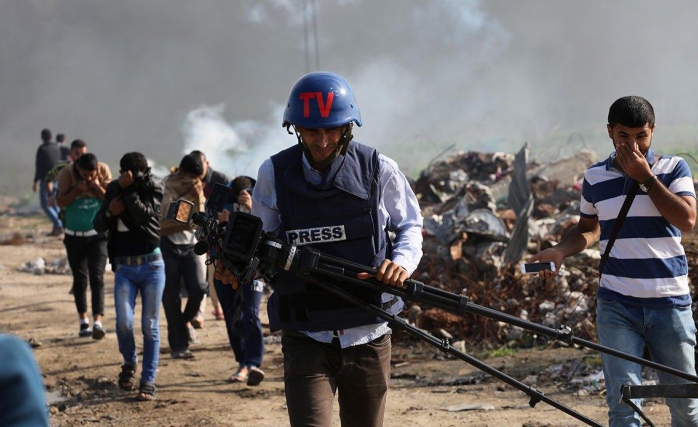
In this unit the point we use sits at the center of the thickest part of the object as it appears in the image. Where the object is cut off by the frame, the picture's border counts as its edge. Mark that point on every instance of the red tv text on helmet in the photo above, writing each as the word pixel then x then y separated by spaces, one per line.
pixel 324 107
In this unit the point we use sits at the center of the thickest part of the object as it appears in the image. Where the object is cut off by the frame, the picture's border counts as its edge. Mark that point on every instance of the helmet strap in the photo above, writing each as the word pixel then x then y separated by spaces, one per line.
pixel 342 147
pixel 346 138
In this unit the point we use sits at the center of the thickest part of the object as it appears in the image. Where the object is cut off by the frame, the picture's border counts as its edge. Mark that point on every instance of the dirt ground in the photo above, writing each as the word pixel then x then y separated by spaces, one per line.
pixel 427 386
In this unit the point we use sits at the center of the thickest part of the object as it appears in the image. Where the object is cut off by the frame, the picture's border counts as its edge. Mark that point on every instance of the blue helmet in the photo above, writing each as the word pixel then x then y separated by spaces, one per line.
pixel 321 100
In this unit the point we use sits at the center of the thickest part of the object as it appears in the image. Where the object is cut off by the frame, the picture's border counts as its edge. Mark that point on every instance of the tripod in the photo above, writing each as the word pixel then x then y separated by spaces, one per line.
pixel 330 273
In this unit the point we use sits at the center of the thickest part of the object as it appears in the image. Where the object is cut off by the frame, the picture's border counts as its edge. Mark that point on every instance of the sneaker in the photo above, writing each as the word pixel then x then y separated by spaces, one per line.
pixel 55 232
pixel 193 337
pixel 254 376
pixel 98 332
pixel 197 322
pixel 85 330
pixel 182 354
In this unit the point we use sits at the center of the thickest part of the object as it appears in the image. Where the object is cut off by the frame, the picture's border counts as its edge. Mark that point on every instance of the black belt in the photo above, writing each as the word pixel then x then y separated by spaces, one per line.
pixel 137 259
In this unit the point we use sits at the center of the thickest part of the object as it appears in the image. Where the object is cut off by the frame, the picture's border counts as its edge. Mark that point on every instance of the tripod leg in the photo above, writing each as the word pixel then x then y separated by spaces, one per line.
pixel 398 323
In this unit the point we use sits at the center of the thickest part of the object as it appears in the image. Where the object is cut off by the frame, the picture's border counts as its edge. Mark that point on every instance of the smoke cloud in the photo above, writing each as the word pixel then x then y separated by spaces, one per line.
pixel 237 149
pixel 214 75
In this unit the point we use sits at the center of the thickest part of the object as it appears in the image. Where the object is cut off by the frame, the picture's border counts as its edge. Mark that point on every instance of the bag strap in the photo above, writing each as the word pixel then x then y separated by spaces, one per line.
pixel 619 222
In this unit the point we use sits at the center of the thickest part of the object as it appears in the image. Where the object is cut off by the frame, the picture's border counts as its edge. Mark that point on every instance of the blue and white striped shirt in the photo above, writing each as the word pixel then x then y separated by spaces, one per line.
pixel 647 260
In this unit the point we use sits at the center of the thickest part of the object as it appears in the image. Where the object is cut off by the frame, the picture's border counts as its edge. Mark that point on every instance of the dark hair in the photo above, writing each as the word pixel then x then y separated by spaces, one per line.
pixel 198 153
pixel 87 162
pixel 46 135
pixel 241 183
pixel 60 137
pixel 191 163
pixel 78 143
pixel 134 162
pixel 631 111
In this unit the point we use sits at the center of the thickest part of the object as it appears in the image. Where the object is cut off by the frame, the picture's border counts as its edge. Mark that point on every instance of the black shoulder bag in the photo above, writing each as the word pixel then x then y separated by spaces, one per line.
pixel 619 222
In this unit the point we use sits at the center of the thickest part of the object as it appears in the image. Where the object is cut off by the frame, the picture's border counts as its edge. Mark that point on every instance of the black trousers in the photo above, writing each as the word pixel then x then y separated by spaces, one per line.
pixel 181 263
pixel 245 336
pixel 87 257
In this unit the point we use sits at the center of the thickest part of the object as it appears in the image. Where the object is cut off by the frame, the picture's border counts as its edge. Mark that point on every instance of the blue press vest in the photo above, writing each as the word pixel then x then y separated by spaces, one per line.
pixel 339 218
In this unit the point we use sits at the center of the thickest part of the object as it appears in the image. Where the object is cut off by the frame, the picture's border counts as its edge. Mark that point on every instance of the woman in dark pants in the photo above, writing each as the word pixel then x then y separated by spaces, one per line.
pixel 245 334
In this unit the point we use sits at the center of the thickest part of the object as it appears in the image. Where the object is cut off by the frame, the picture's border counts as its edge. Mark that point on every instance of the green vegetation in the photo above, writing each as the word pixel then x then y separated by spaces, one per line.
pixel 501 352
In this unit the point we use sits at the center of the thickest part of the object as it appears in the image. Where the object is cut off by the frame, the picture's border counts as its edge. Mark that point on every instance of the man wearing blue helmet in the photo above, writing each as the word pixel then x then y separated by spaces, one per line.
pixel 341 198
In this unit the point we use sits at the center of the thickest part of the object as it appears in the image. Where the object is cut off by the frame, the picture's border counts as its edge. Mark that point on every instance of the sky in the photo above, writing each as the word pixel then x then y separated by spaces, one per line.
pixel 167 77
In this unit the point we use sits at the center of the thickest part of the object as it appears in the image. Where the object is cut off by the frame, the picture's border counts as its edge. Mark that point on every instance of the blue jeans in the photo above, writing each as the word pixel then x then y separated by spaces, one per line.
pixel 50 211
pixel 149 279
pixel 245 336
pixel 670 336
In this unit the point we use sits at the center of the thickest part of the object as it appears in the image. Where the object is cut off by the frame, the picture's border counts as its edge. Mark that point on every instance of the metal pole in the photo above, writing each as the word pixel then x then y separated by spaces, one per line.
pixel 305 36
pixel 317 50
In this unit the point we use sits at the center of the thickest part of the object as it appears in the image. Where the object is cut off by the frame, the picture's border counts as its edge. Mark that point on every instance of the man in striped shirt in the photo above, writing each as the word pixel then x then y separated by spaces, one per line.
pixel 643 297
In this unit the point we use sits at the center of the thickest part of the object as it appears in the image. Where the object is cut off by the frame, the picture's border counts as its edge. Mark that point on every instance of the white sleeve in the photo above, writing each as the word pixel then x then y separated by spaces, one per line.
pixel 403 215
pixel 264 198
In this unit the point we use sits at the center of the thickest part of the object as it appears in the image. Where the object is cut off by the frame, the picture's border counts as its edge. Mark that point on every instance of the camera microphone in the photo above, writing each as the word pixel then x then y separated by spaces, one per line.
pixel 201 247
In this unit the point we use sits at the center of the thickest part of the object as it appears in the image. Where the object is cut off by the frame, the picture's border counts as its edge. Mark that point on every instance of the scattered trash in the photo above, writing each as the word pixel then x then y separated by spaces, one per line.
pixel 593 379
pixel 16 239
pixel 470 407
pixel 459 345
pixel 53 398
pixel 34 343
pixel 39 266
pixel 35 266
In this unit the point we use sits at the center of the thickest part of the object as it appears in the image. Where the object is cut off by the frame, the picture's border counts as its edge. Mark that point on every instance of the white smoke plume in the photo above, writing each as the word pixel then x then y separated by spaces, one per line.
pixel 480 74
pixel 234 149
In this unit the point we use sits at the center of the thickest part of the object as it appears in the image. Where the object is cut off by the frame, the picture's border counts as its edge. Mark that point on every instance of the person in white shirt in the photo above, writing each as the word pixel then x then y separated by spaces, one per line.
pixel 343 199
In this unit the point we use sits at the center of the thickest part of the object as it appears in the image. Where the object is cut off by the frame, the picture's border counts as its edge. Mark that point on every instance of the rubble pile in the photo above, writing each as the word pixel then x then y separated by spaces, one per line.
pixel 484 214
pixel 477 207
pixel 443 179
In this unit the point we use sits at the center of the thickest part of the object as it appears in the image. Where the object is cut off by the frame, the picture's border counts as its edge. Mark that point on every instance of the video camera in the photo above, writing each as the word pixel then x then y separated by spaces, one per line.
pixel 239 243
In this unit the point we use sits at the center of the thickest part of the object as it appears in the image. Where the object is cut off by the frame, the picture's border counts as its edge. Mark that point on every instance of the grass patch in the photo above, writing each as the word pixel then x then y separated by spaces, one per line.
pixel 501 352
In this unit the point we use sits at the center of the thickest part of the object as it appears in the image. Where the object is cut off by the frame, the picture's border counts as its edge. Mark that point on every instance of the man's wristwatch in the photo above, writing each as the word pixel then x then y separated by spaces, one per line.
pixel 645 186
pixel 107 213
